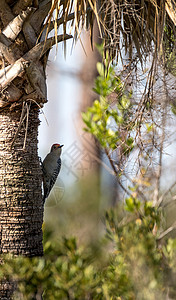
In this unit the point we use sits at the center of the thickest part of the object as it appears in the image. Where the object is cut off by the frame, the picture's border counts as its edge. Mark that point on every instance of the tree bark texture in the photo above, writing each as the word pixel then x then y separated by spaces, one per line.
pixel 21 213
pixel 23 58
pixel 22 92
pixel 6 289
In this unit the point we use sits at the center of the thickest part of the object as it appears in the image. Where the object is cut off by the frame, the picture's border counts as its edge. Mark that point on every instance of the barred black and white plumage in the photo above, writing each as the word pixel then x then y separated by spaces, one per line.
pixel 51 167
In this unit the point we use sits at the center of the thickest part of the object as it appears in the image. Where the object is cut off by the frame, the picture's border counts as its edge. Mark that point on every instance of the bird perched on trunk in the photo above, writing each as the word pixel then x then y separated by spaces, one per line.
pixel 51 167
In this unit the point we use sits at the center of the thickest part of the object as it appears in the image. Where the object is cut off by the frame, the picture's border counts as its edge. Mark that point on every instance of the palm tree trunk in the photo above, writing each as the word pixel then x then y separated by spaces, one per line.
pixel 21 209
pixel 6 289
pixel 21 213
pixel 22 90
pixel 23 61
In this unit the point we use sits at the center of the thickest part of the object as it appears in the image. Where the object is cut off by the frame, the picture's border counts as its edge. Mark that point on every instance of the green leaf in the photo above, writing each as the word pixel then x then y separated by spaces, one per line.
pixel 130 142
pixel 130 206
pixel 100 69
pixel 149 127
pixel 125 102
pixel 86 116
pixel 95 117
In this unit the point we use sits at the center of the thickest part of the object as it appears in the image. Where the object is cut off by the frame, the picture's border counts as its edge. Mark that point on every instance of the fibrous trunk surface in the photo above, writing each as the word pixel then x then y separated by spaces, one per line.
pixel 21 213
pixel 22 92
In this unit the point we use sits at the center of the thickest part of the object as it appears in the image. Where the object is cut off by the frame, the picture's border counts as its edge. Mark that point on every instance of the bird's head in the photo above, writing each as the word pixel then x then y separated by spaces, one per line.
pixel 57 149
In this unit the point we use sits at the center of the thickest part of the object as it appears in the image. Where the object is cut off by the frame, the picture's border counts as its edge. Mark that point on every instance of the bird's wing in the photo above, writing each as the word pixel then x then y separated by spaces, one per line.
pixel 50 181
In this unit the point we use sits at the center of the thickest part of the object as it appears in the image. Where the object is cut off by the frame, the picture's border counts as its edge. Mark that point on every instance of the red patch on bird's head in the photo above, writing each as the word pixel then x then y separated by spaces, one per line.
pixel 56 146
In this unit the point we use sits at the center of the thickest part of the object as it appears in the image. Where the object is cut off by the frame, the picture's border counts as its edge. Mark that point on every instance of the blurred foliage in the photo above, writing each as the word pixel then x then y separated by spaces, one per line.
pixel 78 213
pixel 131 264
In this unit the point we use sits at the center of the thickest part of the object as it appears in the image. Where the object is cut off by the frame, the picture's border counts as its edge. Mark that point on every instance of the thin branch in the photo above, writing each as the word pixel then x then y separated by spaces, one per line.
pixel 117 175
pixel 34 96
pixel 25 115
pixel 164 194
pixel 167 231
pixel 40 106
pixel 141 194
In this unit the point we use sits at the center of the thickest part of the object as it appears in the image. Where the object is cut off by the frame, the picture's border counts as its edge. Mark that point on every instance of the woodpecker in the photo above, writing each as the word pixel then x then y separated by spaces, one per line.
pixel 51 168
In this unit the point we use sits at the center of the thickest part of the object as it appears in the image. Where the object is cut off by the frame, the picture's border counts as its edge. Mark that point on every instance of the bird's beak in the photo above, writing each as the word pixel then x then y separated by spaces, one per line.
pixel 61 146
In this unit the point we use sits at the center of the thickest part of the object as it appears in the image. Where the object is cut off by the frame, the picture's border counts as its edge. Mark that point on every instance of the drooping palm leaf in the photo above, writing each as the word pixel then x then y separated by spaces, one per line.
pixel 121 23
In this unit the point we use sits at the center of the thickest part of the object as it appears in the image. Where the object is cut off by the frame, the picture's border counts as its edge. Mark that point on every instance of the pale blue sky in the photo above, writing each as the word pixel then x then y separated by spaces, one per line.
pixel 63 99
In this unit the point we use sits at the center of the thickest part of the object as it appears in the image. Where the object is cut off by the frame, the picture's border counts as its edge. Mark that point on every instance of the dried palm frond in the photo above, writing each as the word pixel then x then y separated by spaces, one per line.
pixel 80 12
pixel 123 25
pixel 139 23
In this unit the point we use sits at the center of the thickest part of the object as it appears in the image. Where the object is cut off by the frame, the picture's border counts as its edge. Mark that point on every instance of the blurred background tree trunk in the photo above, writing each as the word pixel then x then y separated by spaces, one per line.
pixel 87 76
pixel 88 73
